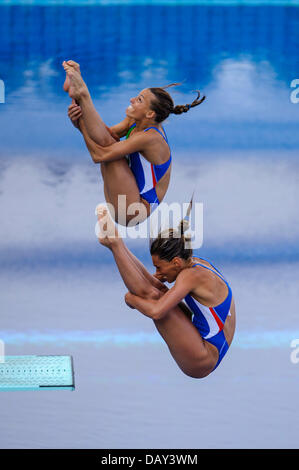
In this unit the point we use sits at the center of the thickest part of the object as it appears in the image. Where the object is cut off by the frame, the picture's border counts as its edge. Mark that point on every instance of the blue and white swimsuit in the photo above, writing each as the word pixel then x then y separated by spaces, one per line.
pixel 147 174
pixel 209 321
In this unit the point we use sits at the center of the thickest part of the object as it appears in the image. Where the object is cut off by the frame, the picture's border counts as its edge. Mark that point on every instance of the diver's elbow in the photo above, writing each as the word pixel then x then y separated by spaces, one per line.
pixel 157 314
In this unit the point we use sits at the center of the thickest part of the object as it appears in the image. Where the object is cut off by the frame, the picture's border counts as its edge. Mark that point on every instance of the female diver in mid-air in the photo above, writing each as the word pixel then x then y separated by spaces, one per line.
pixel 197 344
pixel 138 167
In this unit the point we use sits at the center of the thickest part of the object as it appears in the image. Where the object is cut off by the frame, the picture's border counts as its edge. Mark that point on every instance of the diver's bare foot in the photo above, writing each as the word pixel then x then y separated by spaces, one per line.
pixel 78 89
pixel 76 66
pixel 106 230
pixel 69 63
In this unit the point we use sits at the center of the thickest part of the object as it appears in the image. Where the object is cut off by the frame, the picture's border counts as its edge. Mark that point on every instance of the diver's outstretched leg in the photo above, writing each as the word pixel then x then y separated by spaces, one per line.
pixel 135 277
pixel 78 91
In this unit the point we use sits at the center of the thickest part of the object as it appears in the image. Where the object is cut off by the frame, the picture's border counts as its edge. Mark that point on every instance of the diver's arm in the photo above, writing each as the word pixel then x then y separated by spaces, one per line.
pixel 121 129
pixel 101 154
pixel 157 309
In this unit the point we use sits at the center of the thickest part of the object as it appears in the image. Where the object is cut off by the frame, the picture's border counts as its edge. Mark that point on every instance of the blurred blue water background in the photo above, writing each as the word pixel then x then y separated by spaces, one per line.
pixel 60 291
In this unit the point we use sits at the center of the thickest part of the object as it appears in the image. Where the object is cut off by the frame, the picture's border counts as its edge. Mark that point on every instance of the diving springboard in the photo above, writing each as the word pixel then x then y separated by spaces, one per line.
pixel 37 373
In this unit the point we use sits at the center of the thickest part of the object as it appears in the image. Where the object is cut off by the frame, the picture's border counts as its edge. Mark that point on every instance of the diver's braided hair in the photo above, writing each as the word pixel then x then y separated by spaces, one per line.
pixel 173 242
pixel 163 105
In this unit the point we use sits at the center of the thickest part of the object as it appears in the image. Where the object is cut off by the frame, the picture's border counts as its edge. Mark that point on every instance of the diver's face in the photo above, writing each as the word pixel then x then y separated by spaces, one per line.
pixel 139 107
pixel 167 270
